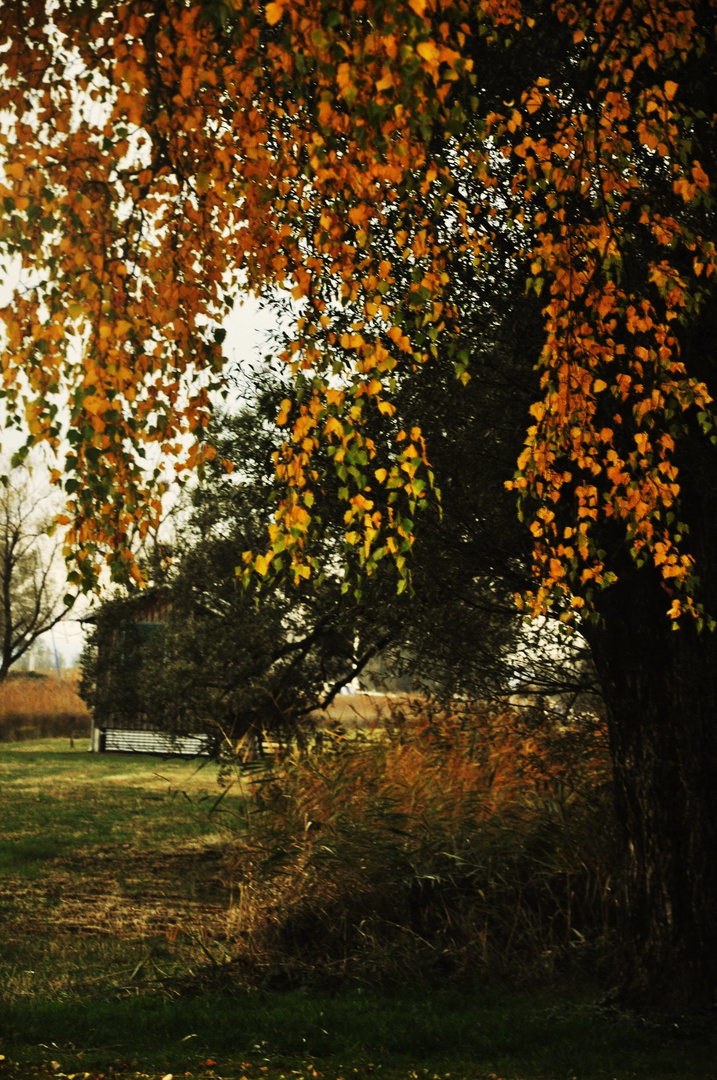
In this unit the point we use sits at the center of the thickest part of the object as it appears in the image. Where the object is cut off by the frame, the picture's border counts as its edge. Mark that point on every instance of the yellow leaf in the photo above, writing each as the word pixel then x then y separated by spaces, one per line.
pixel 333 427
pixel 274 12
pixel 261 563
pixel 429 51
pixel 419 6
pixel 122 327
pixel 380 475
pixel 670 89
pixel 599 385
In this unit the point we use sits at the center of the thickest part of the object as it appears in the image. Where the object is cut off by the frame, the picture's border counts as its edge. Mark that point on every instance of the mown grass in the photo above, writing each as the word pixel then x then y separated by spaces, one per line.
pixel 111 871
pixel 121 957
pixel 56 802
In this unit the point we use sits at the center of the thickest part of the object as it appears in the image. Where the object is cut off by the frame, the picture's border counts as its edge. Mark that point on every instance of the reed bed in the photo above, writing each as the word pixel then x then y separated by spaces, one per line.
pixel 453 845
pixel 34 706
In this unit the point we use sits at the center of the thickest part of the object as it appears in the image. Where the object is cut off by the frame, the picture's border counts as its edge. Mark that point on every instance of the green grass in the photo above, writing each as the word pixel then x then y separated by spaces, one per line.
pixel 55 800
pixel 524 1037
pixel 111 870
pixel 117 919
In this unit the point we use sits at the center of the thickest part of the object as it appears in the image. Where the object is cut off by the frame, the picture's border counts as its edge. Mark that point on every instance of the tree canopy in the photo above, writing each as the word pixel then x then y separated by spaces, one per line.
pixel 160 158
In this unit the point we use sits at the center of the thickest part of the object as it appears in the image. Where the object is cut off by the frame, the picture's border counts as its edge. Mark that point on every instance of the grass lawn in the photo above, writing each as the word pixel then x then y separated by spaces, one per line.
pixel 118 921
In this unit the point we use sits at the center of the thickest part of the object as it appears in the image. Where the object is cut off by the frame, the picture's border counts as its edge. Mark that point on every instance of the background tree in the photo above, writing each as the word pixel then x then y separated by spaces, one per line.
pixel 30 579
pixel 236 663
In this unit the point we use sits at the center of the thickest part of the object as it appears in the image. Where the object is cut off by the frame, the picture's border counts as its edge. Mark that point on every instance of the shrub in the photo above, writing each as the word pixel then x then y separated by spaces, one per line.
pixel 449 845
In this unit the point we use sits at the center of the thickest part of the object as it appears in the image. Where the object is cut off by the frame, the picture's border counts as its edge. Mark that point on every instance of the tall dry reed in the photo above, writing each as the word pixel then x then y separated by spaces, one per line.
pixel 40 707
pixel 452 845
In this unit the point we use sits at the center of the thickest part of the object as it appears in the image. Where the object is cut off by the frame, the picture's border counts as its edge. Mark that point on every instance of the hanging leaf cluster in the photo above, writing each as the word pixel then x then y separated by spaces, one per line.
pixel 364 155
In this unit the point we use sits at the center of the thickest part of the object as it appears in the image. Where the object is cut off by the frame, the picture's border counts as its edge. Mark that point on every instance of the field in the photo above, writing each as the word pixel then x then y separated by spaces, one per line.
pixel 121 956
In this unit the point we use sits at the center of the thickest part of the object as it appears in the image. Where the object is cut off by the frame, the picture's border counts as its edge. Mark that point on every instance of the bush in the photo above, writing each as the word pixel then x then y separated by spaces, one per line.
pixel 450 845
pixel 36 706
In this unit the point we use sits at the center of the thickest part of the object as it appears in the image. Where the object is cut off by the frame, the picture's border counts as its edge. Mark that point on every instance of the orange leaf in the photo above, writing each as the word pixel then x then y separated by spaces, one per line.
pixel 274 12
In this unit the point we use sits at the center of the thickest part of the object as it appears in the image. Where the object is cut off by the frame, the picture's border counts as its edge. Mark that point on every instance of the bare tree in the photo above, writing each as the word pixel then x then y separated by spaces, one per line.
pixel 30 590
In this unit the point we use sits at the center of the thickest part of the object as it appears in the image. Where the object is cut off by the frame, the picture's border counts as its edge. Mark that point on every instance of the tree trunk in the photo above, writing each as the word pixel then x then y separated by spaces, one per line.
pixel 660 688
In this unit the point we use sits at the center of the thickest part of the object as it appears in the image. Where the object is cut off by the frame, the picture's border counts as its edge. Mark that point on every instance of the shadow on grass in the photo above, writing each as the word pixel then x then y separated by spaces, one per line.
pixel 536 1035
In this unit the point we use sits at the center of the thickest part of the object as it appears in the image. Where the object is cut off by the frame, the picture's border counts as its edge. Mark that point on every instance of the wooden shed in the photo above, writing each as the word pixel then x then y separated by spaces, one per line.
pixel 126 632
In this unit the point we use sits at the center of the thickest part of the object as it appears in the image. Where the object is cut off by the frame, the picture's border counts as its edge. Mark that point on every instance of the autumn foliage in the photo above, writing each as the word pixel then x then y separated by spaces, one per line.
pixel 161 158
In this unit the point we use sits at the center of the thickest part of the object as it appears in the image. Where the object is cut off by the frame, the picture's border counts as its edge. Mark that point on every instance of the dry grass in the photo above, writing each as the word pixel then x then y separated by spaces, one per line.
pixel 356 712
pixel 41 706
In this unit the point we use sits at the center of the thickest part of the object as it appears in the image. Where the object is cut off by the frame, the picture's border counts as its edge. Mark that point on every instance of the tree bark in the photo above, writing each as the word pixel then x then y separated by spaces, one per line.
pixel 660 688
